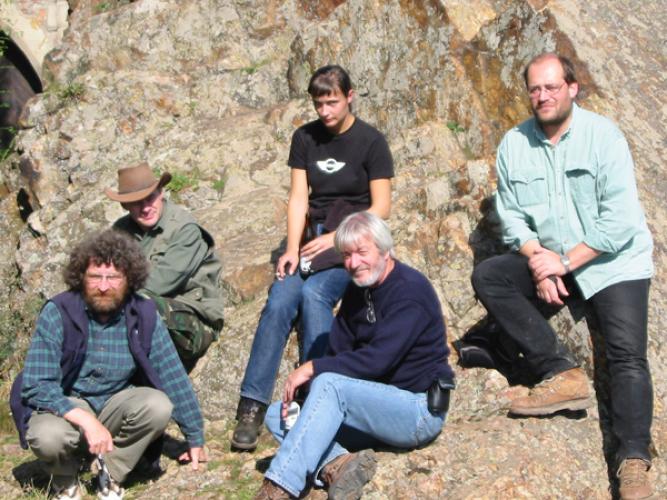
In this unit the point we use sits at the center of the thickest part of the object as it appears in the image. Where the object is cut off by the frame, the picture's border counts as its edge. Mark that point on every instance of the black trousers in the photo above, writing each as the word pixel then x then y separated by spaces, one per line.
pixel 505 286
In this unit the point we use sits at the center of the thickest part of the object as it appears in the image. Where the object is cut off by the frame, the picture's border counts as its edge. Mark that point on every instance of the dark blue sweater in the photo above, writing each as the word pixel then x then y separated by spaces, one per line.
pixel 405 347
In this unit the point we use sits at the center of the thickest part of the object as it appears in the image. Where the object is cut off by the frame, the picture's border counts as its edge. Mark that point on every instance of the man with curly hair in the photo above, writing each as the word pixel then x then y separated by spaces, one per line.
pixel 101 375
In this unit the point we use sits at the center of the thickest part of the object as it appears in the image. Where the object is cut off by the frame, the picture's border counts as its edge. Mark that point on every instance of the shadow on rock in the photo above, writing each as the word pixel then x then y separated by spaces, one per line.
pixel 569 414
pixel 31 476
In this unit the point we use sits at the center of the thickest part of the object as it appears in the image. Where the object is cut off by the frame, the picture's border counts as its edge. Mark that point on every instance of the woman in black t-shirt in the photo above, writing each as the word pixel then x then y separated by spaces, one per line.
pixel 339 165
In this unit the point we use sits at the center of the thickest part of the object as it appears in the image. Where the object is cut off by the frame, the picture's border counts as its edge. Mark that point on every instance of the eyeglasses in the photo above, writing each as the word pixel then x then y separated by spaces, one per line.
pixel 370 312
pixel 550 89
pixel 113 279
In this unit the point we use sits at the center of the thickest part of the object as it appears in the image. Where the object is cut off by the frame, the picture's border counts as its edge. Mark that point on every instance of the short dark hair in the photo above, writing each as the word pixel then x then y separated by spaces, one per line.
pixel 328 79
pixel 107 247
pixel 569 74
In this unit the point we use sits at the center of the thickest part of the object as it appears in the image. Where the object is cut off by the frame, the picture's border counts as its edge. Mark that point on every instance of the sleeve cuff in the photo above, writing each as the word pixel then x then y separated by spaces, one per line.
pixel 598 242
pixel 196 440
pixel 322 365
pixel 518 240
pixel 63 406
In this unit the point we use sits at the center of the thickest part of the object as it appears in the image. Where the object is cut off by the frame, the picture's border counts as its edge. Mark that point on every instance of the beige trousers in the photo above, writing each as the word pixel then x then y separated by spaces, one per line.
pixel 135 417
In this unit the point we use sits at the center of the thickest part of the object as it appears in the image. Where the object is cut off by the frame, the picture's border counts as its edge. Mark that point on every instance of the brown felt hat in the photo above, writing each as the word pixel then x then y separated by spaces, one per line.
pixel 136 183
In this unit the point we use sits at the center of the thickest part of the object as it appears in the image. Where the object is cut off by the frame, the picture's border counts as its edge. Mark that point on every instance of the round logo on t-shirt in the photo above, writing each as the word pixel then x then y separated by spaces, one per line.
pixel 330 165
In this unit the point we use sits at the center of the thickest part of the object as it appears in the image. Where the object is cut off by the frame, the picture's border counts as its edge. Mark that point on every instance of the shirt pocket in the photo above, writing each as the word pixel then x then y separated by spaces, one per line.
pixel 530 187
pixel 581 178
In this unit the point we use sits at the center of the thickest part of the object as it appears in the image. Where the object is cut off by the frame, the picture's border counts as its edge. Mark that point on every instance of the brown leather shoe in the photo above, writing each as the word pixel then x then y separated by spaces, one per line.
pixel 567 390
pixel 634 480
pixel 271 491
pixel 346 475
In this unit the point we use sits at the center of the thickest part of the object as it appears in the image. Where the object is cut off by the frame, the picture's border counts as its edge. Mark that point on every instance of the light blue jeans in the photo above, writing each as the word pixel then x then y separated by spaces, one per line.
pixel 344 413
pixel 314 298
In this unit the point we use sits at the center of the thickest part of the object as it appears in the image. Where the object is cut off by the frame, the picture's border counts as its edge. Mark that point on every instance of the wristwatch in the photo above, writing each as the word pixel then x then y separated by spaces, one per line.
pixel 565 260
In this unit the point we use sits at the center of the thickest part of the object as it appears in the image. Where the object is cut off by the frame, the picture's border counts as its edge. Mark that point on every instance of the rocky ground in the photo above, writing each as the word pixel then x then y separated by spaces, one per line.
pixel 212 90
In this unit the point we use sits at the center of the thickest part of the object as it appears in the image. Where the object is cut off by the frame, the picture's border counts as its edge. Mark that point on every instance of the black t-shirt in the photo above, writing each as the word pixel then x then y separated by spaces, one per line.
pixel 340 166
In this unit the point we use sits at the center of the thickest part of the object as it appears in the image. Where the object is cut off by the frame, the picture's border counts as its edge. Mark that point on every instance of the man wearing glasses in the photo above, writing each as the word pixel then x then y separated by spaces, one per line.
pixel 567 200
pixel 385 378
pixel 102 377
pixel 184 268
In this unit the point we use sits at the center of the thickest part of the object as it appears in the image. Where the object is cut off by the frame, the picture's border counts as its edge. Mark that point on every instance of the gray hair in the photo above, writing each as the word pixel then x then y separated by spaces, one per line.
pixel 364 225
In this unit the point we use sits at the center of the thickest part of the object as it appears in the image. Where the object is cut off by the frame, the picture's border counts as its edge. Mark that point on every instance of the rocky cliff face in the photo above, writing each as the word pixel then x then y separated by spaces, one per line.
pixel 211 90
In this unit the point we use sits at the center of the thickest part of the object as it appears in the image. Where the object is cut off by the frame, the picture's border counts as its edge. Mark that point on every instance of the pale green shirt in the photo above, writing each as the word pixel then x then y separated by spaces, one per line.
pixel 581 190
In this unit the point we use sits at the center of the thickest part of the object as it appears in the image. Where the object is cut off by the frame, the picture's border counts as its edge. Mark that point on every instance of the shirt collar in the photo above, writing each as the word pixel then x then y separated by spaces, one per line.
pixel 159 225
pixel 115 318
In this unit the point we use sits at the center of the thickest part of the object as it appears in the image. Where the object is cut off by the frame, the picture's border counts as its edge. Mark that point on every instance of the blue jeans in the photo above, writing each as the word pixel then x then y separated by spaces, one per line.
pixel 314 298
pixel 342 413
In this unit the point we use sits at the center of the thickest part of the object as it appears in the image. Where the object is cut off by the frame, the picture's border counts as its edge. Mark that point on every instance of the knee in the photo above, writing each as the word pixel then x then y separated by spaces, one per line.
pixel 281 299
pixel 49 442
pixel 312 294
pixel 481 274
pixel 490 271
pixel 324 382
pixel 161 408
pixel 156 407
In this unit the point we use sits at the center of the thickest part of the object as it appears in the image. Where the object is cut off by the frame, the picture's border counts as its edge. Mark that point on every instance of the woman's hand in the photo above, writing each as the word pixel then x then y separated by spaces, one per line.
pixel 294 380
pixel 287 264
pixel 318 245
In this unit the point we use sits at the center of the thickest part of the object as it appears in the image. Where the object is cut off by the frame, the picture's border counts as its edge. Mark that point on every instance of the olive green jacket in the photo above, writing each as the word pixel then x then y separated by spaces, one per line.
pixel 183 263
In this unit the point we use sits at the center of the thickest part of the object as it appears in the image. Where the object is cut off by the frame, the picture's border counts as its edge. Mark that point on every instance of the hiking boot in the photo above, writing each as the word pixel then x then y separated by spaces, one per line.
pixel 473 356
pixel 72 492
pixel 486 345
pixel 112 491
pixel 346 475
pixel 107 487
pixel 271 491
pixel 567 390
pixel 147 468
pixel 633 479
pixel 250 415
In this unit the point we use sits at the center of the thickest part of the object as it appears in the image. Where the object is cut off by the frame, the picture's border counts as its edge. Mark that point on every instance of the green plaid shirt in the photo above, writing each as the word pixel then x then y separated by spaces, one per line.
pixel 106 370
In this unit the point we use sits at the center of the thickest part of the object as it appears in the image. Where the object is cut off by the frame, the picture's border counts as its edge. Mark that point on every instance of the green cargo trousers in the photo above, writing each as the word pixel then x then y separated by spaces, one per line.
pixel 191 336
pixel 135 417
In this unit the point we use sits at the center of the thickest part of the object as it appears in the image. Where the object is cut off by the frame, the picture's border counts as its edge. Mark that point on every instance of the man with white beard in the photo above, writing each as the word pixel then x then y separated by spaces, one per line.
pixel 384 381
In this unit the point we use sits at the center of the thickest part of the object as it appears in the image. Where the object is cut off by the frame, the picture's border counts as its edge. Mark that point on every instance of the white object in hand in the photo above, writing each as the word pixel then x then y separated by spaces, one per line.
pixel 304 264
pixel 292 414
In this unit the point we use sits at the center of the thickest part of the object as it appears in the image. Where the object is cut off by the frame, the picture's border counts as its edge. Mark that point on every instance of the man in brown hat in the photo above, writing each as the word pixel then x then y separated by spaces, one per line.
pixel 184 270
